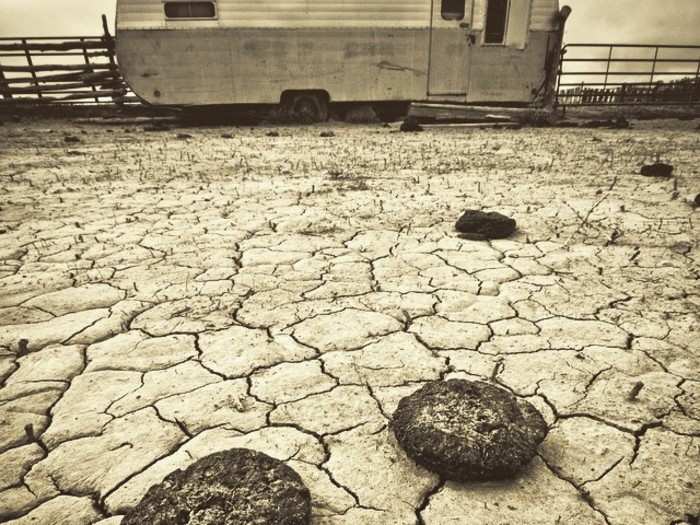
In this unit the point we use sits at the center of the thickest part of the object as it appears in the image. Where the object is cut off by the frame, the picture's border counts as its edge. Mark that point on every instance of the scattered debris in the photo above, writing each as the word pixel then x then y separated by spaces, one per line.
pixel 617 123
pixel 621 123
pixel 566 124
pixel 226 136
pixel 682 248
pixel 480 225
pixel 272 134
pixel 327 134
pixel 537 119
pixel 183 136
pixel 22 347
pixel 360 114
pixel 71 139
pixel 156 127
pixel 658 169
pixel 29 431
pixel 411 125
pixel 466 430
pixel 233 486
pixel 632 396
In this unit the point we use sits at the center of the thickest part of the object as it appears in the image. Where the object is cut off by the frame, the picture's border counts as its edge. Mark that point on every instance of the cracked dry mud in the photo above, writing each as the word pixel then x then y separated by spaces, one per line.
pixel 180 298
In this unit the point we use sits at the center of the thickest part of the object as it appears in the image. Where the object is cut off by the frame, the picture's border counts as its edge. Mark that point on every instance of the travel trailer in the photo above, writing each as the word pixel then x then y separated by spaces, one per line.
pixel 309 54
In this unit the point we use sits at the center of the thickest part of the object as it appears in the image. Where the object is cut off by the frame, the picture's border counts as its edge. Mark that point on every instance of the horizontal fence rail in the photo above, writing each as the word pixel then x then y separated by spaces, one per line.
pixel 61 70
pixel 628 74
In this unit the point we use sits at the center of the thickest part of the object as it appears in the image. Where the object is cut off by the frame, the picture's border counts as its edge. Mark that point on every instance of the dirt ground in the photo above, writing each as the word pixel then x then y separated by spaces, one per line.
pixel 163 298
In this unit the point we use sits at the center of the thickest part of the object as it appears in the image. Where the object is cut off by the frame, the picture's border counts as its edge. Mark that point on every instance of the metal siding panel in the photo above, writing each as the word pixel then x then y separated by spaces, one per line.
pixel 518 23
pixel 504 74
pixel 479 20
pixel 146 14
pixel 231 66
pixel 544 15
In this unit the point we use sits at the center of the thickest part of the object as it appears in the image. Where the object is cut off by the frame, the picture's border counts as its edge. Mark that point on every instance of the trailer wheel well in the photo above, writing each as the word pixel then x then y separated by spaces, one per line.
pixel 306 106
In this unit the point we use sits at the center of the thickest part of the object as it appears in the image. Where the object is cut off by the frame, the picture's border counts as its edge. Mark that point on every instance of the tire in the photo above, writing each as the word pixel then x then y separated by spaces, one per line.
pixel 309 108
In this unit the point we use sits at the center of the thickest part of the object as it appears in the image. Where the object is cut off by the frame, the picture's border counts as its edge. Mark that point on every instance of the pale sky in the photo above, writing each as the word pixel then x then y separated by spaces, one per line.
pixel 619 21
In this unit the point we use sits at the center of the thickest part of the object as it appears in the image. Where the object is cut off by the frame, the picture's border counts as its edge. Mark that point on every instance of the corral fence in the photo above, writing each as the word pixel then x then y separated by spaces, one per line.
pixel 61 70
pixel 628 75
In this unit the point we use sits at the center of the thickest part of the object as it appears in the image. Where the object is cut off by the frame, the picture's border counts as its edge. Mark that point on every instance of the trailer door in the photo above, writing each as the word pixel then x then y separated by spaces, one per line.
pixel 450 47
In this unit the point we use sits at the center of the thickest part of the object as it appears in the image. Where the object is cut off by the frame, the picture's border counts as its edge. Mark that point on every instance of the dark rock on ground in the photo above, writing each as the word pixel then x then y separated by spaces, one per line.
pixel 272 134
pixel 683 248
pixel 621 123
pixel 226 136
pixel 183 136
pixel 411 124
pixel 71 139
pixel 233 487
pixel 468 431
pixel 658 169
pixel 480 225
pixel 22 347
pixel 327 134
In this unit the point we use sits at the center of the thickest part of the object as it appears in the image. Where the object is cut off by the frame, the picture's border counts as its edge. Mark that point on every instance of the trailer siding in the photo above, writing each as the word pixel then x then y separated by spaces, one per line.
pixel 256 66
pixel 149 14
pixel 355 50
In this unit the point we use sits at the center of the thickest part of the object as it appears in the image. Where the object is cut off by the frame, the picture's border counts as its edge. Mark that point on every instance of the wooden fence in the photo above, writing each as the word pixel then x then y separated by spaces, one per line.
pixel 630 94
pixel 61 70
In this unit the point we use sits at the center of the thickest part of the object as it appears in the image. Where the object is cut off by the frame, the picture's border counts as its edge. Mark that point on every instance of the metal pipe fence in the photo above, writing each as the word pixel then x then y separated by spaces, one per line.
pixel 616 75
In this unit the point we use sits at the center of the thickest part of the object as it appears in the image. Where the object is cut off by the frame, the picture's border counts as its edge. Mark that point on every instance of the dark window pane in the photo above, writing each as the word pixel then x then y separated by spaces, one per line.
pixel 496 18
pixel 190 10
pixel 453 9
pixel 202 10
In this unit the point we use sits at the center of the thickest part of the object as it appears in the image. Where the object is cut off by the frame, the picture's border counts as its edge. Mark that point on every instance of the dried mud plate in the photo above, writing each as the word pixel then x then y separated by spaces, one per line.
pixel 466 430
pixel 231 487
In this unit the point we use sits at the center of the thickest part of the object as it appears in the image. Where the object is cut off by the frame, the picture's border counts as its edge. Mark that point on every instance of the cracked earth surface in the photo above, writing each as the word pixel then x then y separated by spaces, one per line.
pixel 182 297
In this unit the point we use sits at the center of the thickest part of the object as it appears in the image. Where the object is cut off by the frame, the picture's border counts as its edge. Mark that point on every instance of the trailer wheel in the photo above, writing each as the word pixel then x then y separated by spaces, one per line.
pixel 308 108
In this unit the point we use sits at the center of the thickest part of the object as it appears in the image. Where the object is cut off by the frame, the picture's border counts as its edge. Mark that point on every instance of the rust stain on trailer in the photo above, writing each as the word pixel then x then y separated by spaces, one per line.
pixel 396 67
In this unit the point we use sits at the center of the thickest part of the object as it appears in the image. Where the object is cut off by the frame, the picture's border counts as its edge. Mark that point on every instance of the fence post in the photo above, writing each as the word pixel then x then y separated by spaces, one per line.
pixel 89 68
pixel 653 67
pixel 30 63
pixel 607 69
pixel 4 86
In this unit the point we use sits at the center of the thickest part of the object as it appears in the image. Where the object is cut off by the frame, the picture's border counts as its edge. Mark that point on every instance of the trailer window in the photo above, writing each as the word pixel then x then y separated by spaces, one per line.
pixel 190 10
pixel 453 9
pixel 496 19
